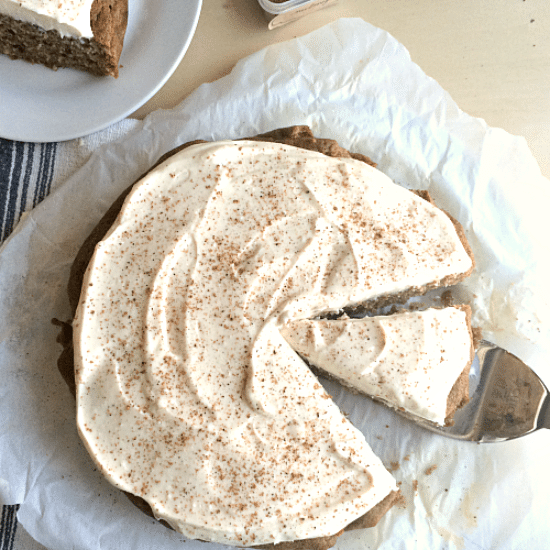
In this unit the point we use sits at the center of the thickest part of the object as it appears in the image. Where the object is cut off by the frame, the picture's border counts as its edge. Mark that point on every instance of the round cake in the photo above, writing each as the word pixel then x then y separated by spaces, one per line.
pixel 188 395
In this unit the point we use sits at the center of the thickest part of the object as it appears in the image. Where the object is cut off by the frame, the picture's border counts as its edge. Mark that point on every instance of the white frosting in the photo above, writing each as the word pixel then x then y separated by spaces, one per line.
pixel 67 17
pixel 410 360
pixel 187 394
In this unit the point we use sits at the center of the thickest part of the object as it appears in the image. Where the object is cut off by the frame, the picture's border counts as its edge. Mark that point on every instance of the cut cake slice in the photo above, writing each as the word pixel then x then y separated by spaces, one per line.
pixel 417 361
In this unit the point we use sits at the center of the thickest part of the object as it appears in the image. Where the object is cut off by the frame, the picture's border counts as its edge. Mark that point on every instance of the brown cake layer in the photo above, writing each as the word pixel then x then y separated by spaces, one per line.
pixel 299 136
pixel 98 56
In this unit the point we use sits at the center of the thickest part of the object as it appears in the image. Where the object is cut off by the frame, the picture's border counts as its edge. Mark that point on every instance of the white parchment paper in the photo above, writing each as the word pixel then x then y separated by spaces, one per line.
pixel 355 83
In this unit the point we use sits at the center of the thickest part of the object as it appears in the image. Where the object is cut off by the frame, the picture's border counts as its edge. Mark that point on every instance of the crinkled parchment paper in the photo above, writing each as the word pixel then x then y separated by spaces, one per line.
pixel 355 83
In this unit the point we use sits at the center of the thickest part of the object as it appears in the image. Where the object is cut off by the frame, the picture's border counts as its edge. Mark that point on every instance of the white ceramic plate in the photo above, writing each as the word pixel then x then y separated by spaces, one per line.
pixel 39 105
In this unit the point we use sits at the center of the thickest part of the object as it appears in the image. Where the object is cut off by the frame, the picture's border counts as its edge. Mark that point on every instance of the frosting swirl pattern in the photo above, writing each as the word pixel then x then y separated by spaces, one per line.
pixel 187 394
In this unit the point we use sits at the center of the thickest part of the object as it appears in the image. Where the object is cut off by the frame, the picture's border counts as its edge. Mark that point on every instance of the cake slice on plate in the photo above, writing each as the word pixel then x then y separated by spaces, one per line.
pixel 87 35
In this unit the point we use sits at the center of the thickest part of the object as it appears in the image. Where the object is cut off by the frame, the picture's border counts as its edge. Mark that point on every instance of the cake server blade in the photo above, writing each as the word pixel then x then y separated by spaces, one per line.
pixel 507 400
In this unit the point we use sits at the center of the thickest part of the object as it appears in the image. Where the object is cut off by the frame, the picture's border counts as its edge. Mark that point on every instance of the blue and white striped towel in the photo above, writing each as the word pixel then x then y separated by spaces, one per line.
pixel 12 535
pixel 26 175
pixel 29 172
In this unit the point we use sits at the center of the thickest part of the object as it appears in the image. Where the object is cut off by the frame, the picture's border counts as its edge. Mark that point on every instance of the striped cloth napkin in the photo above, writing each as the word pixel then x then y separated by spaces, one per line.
pixel 29 172
pixel 12 535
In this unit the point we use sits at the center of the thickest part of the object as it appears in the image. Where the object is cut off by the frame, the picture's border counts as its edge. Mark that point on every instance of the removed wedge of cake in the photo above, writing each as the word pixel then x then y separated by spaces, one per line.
pixel 87 35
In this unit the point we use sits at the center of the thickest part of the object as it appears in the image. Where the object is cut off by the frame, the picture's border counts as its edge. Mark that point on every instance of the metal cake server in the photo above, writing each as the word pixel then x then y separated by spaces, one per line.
pixel 509 401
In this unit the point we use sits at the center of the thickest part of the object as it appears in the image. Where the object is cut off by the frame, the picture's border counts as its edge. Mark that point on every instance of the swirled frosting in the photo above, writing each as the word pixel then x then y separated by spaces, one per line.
pixel 67 17
pixel 187 393
pixel 410 359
